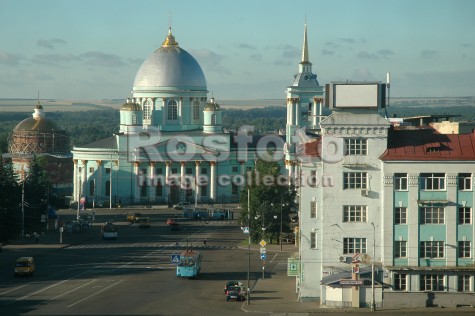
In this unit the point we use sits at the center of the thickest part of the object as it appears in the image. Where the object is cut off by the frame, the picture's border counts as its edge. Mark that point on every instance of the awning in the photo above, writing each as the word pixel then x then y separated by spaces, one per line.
pixel 432 202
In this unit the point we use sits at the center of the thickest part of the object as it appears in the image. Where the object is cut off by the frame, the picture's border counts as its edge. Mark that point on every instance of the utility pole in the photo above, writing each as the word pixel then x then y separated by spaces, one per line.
pixel 249 251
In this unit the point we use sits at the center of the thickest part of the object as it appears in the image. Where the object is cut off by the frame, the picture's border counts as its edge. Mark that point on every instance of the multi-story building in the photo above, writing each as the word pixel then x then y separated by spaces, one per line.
pixel 400 197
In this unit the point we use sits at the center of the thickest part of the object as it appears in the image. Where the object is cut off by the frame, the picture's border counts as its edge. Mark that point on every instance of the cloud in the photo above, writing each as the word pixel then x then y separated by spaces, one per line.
pixel 51 43
pixel 95 58
pixel 10 59
pixel 385 53
pixel 363 74
pixel 210 60
pixel 328 52
pixel 54 59
pixel 246 46
pixel 256 57
pixel 428 53
pixel 332 45
pixel 366 55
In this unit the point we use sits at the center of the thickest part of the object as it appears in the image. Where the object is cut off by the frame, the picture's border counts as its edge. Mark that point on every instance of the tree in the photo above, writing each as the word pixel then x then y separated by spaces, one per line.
pixel 37 188
pixel 10 199
pixel 266 197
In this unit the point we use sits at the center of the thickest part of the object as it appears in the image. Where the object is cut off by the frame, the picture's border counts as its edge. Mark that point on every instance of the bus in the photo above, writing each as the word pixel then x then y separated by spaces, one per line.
pixel 189 265
pixel 108 231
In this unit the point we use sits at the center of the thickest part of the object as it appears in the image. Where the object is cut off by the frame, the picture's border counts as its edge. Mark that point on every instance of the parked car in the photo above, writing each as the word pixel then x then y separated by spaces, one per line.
pixel 144 222
pixel 232 283
pixel 237 293
pixel 24 266
pixel 181 205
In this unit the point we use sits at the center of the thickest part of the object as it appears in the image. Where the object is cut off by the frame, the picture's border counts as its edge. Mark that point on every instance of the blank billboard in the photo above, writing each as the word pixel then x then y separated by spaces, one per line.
pixel 356 95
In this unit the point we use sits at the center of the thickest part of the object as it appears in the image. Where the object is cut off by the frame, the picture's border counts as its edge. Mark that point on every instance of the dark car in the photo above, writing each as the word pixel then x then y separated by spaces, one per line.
pixel 237 293
pixel 232 283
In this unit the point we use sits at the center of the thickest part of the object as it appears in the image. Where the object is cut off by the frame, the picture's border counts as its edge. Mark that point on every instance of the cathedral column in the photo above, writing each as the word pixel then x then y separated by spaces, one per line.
pixel 164 111
pixel 75 180
pixel 298 109
pixel 182 175
pixel 197 187
pixel 180 110
pixel 213 181
pixel 137 183
pixel 152 188
pixel 98 182
pixel 84 178
pixel 167 179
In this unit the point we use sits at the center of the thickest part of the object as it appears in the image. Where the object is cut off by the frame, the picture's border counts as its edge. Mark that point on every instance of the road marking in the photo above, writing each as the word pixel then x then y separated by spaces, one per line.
pixel 275 256
pixel 72 290
pixel 120 281
pixel 13 289
pixel 39 291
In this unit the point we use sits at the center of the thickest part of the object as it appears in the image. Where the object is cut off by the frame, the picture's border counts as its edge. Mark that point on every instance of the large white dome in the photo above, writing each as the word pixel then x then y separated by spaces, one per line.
pixel 170 66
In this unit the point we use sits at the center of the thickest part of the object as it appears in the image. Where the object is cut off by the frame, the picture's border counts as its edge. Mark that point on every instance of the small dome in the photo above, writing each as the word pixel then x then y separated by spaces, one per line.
pixel 212 106
pixel 170 66
pixel 131 106
pixel 38 124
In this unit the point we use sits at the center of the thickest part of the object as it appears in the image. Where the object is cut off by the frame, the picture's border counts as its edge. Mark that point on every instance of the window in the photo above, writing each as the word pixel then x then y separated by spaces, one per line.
pixel 235 169
pixel 465 215
pixel 91 169
pixel 313 209
pixel 189 171
pixel 172 110
pixel 432 181
pixel 213 119
pixel 354 245
pixel 432 282
pixel 400 249
pixel 356 146
pixel 108 170
pixel 354 213
pixel 108 188
pixel 234 189
pixel 354 180
pixel 134 119
pixel 204 190
pixel 432 249
pixel 147 110
pixel 204 171
pixel 143 190
pixel 313 240
pixel 159 189
pixel 91 187
pixel 432 215
pixel 464 283
pixel 400 181
pixel 159 171
pixel 400 215
pixel 174 170
pixel 465 181
pixel 400 281
pixel 144 171
pixel 196 111
pixel 464 249
pixel 313 178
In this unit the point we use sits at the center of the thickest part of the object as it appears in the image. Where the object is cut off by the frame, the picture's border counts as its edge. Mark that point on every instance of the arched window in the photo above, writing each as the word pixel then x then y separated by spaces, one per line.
pixel 172 110
pixel 213 119
pixel 147 109
pixel 134 119
pixel 196 111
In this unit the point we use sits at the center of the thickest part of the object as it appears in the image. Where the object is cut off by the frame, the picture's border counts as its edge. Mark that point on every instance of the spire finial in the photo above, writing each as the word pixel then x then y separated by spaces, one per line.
pixel 305 45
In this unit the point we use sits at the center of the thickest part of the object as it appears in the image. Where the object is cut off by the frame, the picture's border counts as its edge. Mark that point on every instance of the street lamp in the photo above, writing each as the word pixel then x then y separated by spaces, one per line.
pixel 249 251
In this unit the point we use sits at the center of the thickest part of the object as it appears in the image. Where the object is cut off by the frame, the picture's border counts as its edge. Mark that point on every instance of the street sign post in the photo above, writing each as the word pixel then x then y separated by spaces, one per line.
pixel 263 250
pixel 263 256
pixel 175 259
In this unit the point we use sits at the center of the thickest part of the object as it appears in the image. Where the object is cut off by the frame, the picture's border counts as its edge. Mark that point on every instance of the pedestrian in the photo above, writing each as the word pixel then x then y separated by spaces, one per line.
pixel 204 242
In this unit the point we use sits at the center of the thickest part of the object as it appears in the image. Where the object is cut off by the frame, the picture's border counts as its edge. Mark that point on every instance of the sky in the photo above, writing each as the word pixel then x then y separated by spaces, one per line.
pixel 248 49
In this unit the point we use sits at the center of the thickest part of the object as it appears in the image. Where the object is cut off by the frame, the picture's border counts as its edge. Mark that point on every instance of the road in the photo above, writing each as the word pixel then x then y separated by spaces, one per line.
pixel 132 275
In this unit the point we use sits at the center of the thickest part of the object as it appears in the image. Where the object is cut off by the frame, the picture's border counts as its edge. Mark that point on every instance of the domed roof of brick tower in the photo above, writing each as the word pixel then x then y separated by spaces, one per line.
pixel 38 122
pixel 170 66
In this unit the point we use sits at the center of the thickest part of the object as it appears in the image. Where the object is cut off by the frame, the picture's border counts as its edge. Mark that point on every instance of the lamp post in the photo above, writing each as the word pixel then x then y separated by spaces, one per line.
pixel 373 304
pixel 249 251
pixel 23 209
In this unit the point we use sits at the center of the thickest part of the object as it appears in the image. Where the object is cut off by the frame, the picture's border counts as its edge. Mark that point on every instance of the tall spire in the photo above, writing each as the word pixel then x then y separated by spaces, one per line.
pixel 305 46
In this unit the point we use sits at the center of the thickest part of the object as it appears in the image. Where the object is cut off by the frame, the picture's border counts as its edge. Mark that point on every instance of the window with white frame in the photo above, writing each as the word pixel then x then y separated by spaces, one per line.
pixel 354 245
pixel 313 240
pixel 400 181
pixel 196 110
pixel 465 215
pixel 400 249
pixel 354 213
pixel 432 282
pixel 172 110
pixel 313 209
pixel 464 283
pixel 400 281
pixel 465 181
pixel 147 110
pixel 355 180
pixel 356 146
pixel 465 249
pixel 431 249
pixel 400 215
pixel 432 181
pixel 312 181
pixel 432 215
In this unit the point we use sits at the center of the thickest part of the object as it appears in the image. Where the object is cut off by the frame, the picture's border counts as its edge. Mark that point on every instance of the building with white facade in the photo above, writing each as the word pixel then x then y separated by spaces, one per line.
pixel 401 197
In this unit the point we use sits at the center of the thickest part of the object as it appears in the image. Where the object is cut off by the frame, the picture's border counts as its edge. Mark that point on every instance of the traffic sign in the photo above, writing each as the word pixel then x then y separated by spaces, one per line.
pixel 175 258
pixel 351 282
pixel 263 250
pixel 262 243
pixel 292 267
pixel 356 258
pixel 263 256
pixel 356 269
